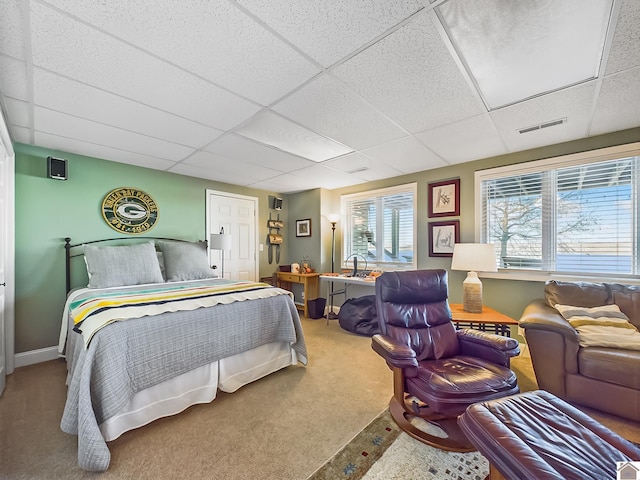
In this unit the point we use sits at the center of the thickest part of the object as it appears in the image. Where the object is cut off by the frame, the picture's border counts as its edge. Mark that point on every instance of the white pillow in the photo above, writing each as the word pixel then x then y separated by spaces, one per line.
pixel 116 266
pixel 605 315
pixel 185 261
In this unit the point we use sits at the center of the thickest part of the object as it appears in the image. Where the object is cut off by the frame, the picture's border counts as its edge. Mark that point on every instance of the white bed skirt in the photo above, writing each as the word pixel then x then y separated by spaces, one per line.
pixel 198 386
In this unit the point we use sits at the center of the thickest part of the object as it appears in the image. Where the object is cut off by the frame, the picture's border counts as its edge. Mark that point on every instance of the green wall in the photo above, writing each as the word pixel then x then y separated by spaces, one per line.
pixel 49 210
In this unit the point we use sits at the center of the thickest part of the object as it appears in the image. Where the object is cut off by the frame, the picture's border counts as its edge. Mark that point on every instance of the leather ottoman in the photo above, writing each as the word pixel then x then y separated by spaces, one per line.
pixel 535 435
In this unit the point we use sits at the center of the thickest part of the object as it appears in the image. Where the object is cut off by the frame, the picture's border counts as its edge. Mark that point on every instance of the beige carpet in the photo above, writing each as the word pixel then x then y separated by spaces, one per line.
pixel 282 427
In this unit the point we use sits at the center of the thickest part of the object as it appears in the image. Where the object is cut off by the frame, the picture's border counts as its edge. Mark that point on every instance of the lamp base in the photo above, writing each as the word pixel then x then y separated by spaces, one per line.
pixel 472 293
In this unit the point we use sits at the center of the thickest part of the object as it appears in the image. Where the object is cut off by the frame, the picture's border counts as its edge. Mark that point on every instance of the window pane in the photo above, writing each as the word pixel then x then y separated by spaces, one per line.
pixel 380 227
pixel 514 219
pixel 594 218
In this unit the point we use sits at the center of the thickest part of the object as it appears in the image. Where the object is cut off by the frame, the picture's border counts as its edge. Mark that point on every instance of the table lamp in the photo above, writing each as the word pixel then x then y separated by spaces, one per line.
pixel 220 241
pixel 473 257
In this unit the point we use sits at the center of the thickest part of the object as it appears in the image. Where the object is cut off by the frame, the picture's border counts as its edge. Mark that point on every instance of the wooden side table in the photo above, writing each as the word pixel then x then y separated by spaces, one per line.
pixel 489 316
pixel 310 284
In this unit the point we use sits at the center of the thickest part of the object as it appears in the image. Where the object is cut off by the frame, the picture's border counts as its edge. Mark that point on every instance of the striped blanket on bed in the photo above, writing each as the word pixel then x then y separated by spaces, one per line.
pixel 92 311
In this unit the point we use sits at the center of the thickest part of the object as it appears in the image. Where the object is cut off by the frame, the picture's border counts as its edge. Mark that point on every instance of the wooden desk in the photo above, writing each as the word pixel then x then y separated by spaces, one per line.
pixel 310 284
pixel 489 316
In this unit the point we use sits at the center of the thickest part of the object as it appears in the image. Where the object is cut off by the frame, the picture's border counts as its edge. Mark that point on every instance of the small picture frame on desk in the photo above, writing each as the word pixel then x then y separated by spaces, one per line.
pixel 303 228
pixel 442 237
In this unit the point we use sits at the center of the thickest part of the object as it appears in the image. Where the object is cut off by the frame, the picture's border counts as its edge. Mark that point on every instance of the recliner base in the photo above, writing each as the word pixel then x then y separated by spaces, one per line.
pixel 455 441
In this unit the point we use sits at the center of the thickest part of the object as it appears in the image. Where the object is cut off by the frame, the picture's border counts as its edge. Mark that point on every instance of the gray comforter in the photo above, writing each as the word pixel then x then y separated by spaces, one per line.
pixel 129 356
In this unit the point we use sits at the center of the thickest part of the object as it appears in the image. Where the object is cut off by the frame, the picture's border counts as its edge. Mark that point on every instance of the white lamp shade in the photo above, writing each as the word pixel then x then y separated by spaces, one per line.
pixel 477 257
pixel 333 218
pixel 220 241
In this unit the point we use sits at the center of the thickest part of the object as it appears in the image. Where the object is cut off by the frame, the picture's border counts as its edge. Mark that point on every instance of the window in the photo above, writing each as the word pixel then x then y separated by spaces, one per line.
pixel 575 215
pixel 380 228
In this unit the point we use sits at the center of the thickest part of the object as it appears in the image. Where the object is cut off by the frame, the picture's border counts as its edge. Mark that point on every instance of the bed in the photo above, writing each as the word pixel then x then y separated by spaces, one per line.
pixel 155 332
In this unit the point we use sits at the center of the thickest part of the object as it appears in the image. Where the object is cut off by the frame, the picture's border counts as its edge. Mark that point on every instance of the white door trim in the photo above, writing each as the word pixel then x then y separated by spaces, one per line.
pixel 9 254
pixel 256 240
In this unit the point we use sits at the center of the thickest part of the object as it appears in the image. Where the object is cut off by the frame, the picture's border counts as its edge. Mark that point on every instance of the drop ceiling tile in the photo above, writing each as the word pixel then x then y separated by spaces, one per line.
pixel 319 176
pixel 240 148
pixel 574 104
pixel 269 67
pixel 618 103
pixel 245 172
pixel 21 134
pixel 329 30
pixel 78 51
pixel 79 147
pixel 19 112
pixel 12 33
pixel 281 184
pixel 407 155
pixel 68 126
pixel 362 166
pixel 207 173
pixel 625 52
pixel 466 140
pixel 274 130
pixel 58 93
pixel 13 78
pixel 411 77
pixel 327 106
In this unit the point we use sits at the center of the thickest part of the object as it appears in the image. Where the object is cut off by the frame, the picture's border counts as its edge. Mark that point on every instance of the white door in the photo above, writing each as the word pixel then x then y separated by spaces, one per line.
pixel 6 253
pixel 237 215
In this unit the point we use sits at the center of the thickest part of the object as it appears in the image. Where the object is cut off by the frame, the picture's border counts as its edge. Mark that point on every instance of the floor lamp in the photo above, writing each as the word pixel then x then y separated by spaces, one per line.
pixel 333 219
pixel 473 257
pixel 220 241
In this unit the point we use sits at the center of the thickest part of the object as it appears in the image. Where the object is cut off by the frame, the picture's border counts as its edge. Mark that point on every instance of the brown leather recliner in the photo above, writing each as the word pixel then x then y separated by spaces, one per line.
pixel 438 370
pixel 603 378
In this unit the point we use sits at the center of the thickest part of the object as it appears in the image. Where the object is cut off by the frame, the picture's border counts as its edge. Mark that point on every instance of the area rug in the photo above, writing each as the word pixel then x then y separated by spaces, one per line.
pixel 383 452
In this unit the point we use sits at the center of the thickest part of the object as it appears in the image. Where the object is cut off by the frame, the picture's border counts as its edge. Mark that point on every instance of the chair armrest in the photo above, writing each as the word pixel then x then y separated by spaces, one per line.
pixel 540 316
pixel 487 345
pixel 396 354
pixel 553 344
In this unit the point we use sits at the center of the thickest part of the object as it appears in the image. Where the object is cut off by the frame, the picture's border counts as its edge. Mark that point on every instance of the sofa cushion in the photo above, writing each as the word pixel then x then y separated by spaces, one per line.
pixel 580 294
pixel 627 297
pixel 610 365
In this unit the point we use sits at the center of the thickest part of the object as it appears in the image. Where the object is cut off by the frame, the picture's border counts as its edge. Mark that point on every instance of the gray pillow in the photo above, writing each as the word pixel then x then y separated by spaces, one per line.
pixel 185 261
pixel 117 266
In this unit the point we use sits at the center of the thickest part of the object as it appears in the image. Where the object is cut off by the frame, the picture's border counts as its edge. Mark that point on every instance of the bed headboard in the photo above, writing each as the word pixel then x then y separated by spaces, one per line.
pixel 75 250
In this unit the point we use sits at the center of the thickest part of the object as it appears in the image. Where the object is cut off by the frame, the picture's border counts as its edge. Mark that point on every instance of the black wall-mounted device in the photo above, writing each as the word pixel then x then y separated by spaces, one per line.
pixel 277 203
pixel 57 168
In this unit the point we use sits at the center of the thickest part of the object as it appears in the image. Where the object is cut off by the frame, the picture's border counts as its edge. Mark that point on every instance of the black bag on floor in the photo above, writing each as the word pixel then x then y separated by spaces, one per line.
pixel 358 315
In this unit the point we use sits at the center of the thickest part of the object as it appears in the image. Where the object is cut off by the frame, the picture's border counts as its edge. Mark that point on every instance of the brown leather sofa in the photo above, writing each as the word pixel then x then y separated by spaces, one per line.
pixel 606 379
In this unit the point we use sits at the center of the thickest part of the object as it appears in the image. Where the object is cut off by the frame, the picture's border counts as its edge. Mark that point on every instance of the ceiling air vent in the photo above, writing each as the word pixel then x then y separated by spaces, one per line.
pixel 540 126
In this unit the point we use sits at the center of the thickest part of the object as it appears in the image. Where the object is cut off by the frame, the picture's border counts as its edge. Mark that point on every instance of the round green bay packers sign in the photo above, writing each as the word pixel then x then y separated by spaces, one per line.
pixel 129 210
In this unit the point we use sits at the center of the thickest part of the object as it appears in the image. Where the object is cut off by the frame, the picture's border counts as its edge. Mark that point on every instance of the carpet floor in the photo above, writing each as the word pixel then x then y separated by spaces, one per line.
pixel 283 427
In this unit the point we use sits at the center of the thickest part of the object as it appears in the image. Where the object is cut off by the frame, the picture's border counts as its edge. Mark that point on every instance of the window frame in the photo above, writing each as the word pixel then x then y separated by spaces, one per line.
pixel 346 260
pixel 561 161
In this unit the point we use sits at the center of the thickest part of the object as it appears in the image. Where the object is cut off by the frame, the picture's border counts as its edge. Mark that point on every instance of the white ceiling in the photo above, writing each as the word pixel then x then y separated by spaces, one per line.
pixel 172 84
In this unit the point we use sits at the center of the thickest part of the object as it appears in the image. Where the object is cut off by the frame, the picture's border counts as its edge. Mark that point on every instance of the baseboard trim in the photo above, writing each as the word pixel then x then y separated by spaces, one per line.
pixel 35 356
pixel 524 350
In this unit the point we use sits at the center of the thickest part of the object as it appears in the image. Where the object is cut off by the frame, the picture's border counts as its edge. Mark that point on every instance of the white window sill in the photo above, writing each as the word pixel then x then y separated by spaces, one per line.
pixel 533 276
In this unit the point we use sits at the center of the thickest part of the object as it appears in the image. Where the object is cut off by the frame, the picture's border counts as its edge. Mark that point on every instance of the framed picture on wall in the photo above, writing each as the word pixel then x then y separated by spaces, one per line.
pixel 444 198
pixel 303 228
pixel 442 237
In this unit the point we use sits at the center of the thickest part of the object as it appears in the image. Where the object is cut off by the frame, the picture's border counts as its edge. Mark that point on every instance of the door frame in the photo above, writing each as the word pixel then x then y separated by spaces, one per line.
pixel 256 215
pixel 9 253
